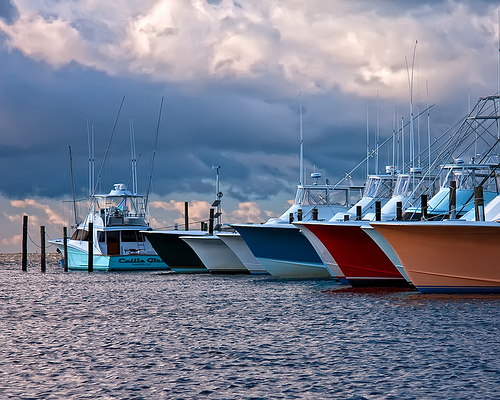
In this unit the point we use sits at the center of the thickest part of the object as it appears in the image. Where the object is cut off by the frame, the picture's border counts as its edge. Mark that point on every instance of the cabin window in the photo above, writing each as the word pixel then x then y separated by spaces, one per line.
pixel 132 236
pixel 101 237
pixel 80 234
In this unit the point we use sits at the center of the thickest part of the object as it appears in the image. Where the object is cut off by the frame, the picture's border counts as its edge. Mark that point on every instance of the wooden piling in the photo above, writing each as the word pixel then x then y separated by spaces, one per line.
pixel 90 265
pixel 65 248
pixel 25 244
pixel 378 211
pixel 453 200
pixel 186 216
pixel 479 203
pixel 423 207
pixel 359 213
pixel 43 260
pixel 211 222
pixel 399 211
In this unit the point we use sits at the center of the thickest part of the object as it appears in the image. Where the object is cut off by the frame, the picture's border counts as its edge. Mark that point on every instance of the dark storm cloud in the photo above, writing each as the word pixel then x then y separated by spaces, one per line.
pixel 230 101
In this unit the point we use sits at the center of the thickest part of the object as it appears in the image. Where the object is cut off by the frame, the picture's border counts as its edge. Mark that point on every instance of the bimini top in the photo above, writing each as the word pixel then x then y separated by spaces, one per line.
pixel 119 190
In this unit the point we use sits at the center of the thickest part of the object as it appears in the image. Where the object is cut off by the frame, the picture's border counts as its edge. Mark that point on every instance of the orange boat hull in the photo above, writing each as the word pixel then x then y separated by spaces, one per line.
pixel 447 257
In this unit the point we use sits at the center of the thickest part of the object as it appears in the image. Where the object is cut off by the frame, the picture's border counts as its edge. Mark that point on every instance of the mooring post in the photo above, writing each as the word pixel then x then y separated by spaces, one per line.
pixel 479 203
pixel 211 222
pixel 423 207
pixel 186 216
pixel 91 248
pixel 25 244
pixel 359 213
pixel 299 214
pixel 378 211
pixel 346 217
pixel 290 218
pixel 399 211
pixel 65 249
pixel 314 214
pixel 43 264
pixel 453 199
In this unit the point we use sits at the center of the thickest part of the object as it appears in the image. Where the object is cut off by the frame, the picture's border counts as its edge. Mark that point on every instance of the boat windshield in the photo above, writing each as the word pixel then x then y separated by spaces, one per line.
pixel 401 186
pixel 379 186
pixel 372 187
pixel 126 206
pixel 468 176
pixel 327 196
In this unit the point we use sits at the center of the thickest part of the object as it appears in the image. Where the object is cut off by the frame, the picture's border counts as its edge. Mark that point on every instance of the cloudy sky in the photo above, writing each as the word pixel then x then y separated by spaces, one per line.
pixel 230 74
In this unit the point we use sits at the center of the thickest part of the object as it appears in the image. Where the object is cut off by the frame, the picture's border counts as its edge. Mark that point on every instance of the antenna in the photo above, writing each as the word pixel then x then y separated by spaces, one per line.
pixel 154 154
pixel 134 157
pixel 403 143
pixel 498 22
pixel 73 185
pixel 90 135
pixel 109 144
pixel 218 195
pixel 394 130
pixel 367 144
pixel 377 135
pixel 428 123
pixel 301 145
pixel 410 83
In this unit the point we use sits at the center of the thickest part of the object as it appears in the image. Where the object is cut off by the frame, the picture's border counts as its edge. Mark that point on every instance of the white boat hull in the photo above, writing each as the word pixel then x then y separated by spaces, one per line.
pixel 236 243
pixel 217 257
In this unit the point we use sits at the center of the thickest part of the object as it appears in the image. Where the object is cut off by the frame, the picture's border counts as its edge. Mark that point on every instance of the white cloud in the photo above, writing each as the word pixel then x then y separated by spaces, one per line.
pixel 314 45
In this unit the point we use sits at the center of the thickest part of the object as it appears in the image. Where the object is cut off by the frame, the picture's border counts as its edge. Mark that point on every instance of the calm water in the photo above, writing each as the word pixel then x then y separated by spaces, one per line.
pixel 164 336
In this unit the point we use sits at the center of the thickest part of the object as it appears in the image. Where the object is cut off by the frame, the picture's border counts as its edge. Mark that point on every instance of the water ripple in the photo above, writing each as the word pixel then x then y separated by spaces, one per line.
pixel 166 336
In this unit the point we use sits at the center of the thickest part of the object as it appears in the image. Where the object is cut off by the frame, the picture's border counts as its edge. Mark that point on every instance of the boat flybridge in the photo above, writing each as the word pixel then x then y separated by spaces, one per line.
pixel 118 243
pixel 378 188
pixel 466 178
pixel 328 200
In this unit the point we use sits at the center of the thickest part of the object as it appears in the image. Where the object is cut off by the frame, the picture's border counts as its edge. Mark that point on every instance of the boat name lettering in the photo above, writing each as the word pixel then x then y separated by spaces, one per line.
pixel 140 260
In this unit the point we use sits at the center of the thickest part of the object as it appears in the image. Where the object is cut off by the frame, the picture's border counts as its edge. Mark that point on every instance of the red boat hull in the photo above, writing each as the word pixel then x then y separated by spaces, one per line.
pixel 361 260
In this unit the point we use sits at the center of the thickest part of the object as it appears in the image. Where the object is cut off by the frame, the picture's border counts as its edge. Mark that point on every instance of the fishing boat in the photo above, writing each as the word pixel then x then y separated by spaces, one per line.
pixel 278 244
pixel 447 256
pixel 376 192
pixel 175 252
pixel 454 199
pixel 359 258
pixel 216 256
pixel 117 219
